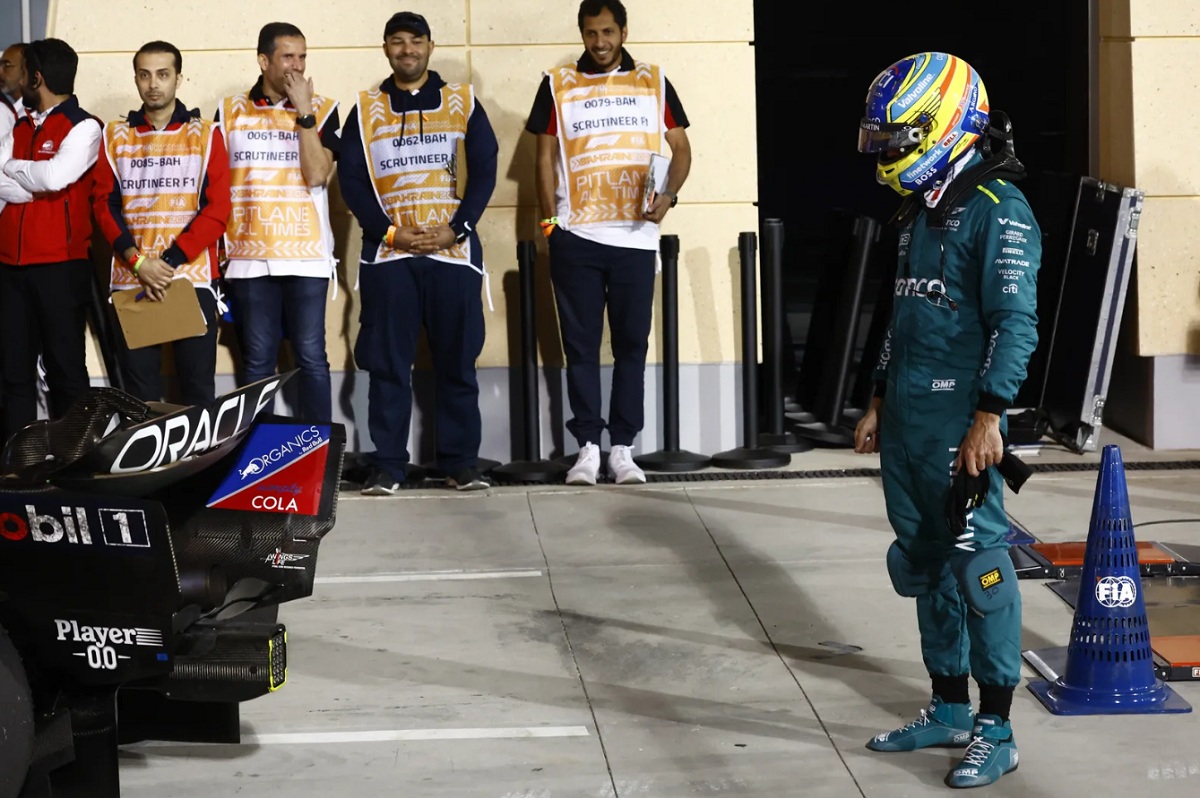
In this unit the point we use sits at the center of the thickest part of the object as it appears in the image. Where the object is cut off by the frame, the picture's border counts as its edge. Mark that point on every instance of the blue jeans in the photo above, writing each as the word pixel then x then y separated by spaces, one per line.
pixel 265 309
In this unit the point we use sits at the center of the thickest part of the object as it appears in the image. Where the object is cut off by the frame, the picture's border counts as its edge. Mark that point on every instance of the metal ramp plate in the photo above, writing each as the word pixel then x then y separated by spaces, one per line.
pixel 1173 612
pixel 1065 560
pixel 1018 535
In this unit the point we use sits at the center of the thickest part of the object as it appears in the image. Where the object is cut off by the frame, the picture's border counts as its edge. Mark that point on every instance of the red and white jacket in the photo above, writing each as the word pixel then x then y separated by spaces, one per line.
pixel 56 226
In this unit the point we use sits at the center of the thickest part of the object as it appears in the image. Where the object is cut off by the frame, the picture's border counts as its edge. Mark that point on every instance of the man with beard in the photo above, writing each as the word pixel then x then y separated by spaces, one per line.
pixel 421 258
pixel 162 201
pixel 598 124
pixel 282 142
pixel 45 242
pixel 12 73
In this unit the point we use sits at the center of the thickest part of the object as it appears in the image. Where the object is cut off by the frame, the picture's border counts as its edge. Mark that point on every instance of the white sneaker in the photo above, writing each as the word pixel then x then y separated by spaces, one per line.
pixel 621 467
pixel 587 466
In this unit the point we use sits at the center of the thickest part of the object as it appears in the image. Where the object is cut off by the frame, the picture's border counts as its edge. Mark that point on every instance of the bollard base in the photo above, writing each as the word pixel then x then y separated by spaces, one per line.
pixel 825 434
pixel 483 465
pixel 529 471
pixel 673 461
pixel 784 442
pixel 744 458
pixel 799 416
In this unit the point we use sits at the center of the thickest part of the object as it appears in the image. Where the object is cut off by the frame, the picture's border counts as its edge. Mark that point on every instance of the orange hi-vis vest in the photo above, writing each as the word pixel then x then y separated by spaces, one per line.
pixel 416 175
pixel 274 216
pixel 609 124
pixel 161 177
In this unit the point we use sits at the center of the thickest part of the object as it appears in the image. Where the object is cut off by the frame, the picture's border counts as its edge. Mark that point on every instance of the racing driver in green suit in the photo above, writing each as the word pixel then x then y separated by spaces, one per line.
pixel 964 325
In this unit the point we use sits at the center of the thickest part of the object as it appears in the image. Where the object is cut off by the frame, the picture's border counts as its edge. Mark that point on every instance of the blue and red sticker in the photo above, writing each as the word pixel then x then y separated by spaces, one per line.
pixel 281 470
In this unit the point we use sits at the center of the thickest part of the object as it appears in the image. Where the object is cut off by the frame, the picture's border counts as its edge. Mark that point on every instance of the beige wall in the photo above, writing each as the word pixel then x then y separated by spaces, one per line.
pixel 1149 105
pixel 502 47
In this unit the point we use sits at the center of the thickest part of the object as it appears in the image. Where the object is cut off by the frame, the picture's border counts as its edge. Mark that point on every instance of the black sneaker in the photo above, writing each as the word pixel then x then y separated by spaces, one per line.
pixel 468 479
pixel 380 483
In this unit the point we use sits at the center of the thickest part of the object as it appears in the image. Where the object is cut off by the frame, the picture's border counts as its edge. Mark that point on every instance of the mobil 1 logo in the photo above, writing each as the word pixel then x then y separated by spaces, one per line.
pixel 82 526
pixel 124 528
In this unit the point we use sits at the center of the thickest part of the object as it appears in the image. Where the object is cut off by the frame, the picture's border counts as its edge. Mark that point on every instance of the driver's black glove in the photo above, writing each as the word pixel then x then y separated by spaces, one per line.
pixel 966 493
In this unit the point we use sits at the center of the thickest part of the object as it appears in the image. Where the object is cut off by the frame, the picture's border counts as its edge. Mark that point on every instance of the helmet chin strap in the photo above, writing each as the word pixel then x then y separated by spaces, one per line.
pixel 934 195
pixel 999 162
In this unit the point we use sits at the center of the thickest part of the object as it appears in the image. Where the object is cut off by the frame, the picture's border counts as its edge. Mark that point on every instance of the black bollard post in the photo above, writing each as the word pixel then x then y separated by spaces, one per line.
pixel 832 427
pixel 749 454
pixel 670 458
pixel 106 333
pixel 881 316
pixel 532 468
pixel 774 436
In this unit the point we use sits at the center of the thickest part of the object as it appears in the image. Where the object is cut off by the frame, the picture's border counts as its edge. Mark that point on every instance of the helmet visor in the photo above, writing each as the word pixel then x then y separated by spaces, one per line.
pixel 874 136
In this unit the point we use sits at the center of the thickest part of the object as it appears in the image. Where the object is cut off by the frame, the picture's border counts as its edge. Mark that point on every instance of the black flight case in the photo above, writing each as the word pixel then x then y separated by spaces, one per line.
pixel 1099 261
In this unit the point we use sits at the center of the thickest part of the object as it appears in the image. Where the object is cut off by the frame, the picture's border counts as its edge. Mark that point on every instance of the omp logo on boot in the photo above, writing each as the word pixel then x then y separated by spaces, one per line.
pixel 101 641
pixel 110 526
pixel 991 578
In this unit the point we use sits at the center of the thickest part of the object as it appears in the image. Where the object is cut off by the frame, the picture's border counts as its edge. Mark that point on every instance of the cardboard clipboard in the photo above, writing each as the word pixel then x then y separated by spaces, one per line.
pixel 459 168
pixel 146 323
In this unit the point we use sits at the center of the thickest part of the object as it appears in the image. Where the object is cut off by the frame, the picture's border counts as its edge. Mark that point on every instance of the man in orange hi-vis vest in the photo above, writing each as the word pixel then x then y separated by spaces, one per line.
pixel 282 141
pixel 422 262
pixel 598 123
pixel 162 200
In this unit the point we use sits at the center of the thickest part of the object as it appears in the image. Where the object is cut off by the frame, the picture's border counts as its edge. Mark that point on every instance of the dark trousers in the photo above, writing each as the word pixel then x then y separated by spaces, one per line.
pixel 587 276
pixel 195 362
pixel 43 309
pixel 263 308
pixel 398 298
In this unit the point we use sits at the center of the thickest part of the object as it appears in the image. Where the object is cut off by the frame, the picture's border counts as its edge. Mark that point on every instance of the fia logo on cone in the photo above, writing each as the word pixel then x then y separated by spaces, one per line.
pixel 1116 591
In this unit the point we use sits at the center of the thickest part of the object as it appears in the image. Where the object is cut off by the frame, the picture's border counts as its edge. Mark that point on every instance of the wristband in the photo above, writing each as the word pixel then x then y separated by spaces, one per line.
pixel 548 225
pixel 137 264
pixel 132 259
pixel 391 235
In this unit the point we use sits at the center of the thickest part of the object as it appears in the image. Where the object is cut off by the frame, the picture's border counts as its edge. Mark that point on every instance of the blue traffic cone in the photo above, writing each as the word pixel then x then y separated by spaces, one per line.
pixel 1110 665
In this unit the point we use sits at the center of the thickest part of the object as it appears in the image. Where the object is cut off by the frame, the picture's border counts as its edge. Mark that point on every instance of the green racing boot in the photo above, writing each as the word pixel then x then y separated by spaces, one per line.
pixel 991 754
pixel 940 725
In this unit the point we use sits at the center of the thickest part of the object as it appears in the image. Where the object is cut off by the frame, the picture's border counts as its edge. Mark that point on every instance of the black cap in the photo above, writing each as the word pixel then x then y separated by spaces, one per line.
pixel 407 20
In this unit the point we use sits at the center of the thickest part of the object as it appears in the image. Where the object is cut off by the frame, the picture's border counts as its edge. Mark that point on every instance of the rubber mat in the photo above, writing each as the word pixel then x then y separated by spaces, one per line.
pixel 354 470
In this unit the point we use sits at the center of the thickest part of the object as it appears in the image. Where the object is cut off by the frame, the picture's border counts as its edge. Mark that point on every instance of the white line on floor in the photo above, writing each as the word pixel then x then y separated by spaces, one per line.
pixel 391 735
pixel 425 576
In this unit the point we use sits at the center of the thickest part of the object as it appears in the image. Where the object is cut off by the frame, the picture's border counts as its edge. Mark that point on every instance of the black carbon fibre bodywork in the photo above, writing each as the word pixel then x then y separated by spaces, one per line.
pixel 142 564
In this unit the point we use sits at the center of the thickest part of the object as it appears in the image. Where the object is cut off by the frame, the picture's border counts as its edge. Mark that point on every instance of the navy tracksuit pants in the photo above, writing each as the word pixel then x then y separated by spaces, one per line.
pixel 587 277
pixel 398 298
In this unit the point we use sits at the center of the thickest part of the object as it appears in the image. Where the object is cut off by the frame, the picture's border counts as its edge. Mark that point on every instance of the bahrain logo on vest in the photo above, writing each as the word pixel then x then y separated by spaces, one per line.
pixel 413 162
pixel 274 216
pixel 608 126
pixel 161 176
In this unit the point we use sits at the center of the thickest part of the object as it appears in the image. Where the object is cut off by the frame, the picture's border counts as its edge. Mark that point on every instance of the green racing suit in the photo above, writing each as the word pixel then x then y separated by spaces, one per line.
pixel 937 367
